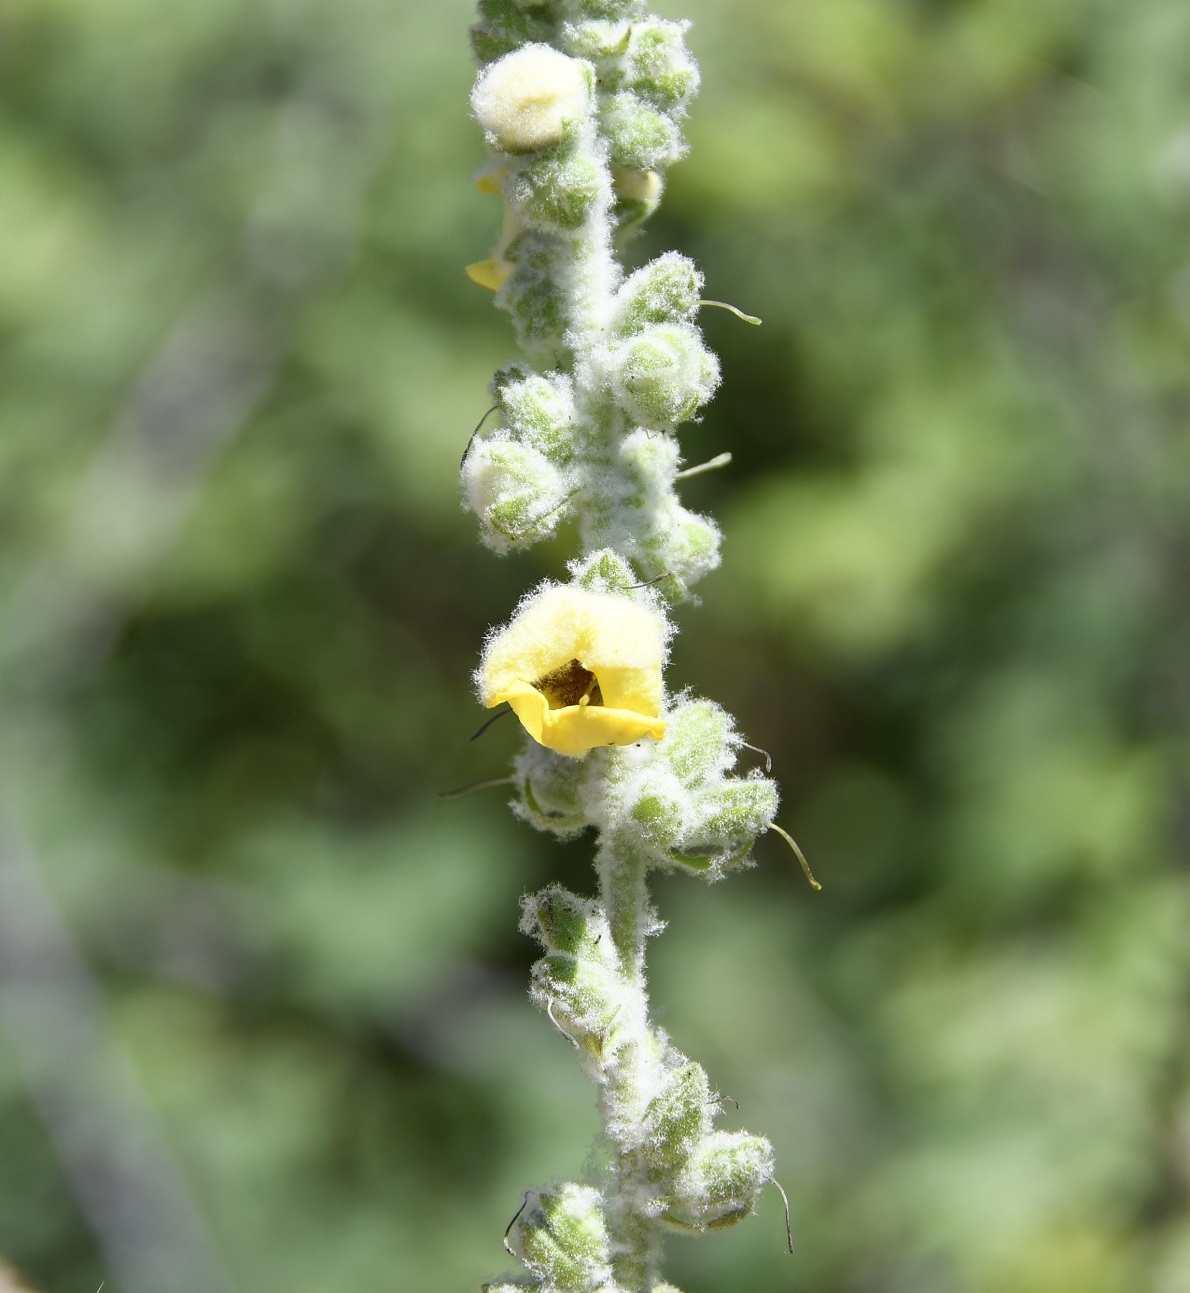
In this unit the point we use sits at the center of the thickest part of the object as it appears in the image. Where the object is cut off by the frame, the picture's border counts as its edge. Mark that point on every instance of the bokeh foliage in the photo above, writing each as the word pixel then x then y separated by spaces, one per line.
pixel 239 606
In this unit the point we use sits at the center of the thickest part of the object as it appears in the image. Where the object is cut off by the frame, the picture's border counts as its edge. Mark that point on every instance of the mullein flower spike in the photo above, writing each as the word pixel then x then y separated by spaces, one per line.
pixel 581 104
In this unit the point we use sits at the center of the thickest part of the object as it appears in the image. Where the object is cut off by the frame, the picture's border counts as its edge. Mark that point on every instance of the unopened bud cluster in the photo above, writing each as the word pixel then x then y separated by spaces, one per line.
pixel 581 104
pixel 676 800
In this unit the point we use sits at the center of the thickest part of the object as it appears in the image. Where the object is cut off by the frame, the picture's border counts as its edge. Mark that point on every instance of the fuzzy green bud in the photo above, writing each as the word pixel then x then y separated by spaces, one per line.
pixel 658 67
pixel 724 1175
pixel 558 191
pixel 563 1239
pixel 504 26
pixel 560 920
pixel 689 547
pixel 666 290
pixel 738 811
pixel 700 742
pixel 664 374
pixel 550 788
pixel 660 817
pixel 518 495
pixel 538 410
pixel 678 1118
pixel 598 39
pixel 603 572
pixel 640 138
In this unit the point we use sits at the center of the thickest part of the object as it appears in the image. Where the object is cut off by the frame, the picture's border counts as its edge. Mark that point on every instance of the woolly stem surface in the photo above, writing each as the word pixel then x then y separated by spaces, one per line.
pixel 632 1077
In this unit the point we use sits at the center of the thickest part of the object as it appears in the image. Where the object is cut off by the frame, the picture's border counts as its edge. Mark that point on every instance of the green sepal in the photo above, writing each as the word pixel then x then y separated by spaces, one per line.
pixel 666 290
pixel 538 409
pixel 722 1178
pixel 639 137
pixel 534 294
pixel 504 26
pixel 563 1239
pixel 660 818
pixel 559 189
pixel 604 572
pixel 560 920
pixel 678 1117
pixel 700 741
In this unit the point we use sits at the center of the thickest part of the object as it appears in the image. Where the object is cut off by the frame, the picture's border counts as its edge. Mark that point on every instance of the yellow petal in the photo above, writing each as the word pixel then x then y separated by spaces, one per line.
pixel 618 641
pixel 492 274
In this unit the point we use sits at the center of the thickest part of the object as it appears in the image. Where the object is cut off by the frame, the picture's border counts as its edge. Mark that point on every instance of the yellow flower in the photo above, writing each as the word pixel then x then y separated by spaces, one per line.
pixel 579 668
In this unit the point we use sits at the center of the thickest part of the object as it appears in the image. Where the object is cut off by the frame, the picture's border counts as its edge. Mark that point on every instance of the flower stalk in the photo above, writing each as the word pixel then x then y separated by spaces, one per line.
pixel 581 104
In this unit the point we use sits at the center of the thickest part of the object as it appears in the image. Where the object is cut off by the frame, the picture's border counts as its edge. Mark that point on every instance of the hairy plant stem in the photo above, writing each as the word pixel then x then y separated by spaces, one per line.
pixel 633 1077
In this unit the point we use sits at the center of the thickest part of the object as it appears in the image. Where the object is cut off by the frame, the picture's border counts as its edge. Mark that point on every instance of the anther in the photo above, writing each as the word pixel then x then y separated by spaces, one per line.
pixel 801 857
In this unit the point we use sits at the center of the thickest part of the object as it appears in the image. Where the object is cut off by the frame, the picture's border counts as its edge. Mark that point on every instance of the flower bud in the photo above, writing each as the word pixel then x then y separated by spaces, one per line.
pixel 701 741
pixel 504 26
pixel 561 921
pixel 664 375
pixel 604 571
pixel 559 192
pixel 551 791
pixel 722 1179
pixel 689 548
pixel 678 1117
pixel 723 827
pixel 538 410
pixel 658 67
pixel 640 138
pixel 666 290
pixel 563 1239
pixel 597 39
pixel 517 493
pixel 660 816
pixel 531 98
pixel 637 195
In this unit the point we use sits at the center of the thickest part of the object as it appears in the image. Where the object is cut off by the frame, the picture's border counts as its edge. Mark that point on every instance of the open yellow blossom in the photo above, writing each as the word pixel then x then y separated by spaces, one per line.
pixel 579 669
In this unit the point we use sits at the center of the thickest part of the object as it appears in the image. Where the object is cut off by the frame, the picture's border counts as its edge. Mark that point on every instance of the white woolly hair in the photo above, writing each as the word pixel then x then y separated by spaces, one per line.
pixel 525 100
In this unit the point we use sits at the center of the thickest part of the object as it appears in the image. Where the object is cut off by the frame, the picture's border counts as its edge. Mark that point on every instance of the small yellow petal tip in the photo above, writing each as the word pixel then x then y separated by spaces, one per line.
pixel 492 274
pixel 490 181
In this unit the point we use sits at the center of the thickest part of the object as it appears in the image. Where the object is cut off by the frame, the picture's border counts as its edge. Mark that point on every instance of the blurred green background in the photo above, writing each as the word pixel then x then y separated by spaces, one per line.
pixel 239 605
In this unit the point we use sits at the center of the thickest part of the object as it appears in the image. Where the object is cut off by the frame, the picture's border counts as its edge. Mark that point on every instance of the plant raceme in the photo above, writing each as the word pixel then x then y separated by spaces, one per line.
pixel 581 103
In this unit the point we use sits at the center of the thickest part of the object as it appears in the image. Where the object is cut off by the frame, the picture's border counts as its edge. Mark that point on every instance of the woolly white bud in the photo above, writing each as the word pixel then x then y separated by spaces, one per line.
pixel 664 375
pixel 517 493
pixel 526 100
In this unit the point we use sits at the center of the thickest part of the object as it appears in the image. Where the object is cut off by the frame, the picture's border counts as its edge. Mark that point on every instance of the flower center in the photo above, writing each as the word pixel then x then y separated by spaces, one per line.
pixel 569 684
